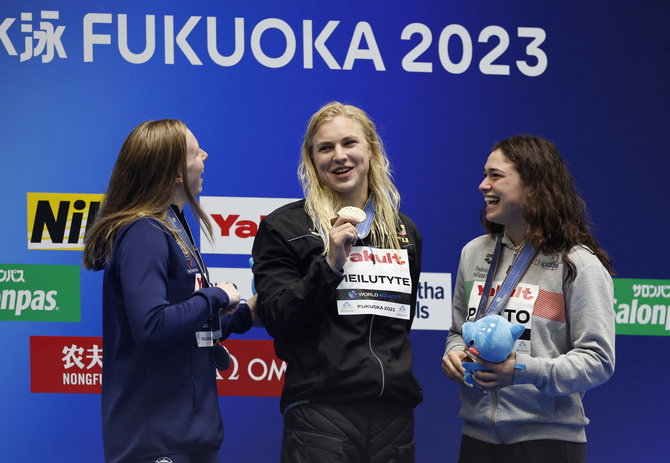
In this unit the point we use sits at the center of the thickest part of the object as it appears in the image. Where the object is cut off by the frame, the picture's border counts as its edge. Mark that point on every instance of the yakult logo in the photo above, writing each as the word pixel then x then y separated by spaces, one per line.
pixel 518 308
pixel 243 228
pixel 235 222
pixel 520 292
pixel 380 258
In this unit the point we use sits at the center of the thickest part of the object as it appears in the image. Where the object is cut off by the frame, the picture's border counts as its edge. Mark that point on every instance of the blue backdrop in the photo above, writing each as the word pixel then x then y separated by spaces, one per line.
pixel 420 70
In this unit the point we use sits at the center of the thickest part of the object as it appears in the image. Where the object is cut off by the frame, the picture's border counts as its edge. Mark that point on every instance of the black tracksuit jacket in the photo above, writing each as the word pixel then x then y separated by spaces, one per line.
pixel 330 358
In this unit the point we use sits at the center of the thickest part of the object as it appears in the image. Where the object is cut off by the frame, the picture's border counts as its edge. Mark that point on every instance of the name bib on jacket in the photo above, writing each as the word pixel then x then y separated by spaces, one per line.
pixel 376 281
pixel 518 310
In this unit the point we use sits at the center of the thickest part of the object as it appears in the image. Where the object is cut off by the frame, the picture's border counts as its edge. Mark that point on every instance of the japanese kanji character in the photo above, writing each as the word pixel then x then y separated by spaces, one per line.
pixel 95 355
pixel 48 38
pixel 72 356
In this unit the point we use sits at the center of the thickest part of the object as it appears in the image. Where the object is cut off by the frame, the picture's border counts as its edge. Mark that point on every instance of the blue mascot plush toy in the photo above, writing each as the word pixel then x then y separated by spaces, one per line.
pixel 491 338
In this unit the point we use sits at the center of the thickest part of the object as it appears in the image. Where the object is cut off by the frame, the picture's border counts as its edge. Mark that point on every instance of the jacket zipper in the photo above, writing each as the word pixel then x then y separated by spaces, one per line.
pixel 493 416
pixel 381 365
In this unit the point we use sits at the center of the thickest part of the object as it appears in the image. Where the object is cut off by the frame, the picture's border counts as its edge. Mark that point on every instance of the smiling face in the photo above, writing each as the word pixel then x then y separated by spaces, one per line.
pixel 341 156
pixel 504 193
pixel 195 166
pixel 195 163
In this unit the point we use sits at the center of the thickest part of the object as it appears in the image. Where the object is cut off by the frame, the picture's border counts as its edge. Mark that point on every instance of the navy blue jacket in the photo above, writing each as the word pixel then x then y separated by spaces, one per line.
pixel 159 394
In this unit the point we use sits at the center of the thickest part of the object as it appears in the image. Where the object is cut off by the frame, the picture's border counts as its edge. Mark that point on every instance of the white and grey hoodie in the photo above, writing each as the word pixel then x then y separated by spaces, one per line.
pixel 567 347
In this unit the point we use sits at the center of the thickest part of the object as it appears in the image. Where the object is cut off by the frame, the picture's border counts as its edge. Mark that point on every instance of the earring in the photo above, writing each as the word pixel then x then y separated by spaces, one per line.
pixel 179 180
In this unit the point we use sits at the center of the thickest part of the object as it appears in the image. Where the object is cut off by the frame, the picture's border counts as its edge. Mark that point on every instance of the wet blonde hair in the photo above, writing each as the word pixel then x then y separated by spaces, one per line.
pixel 321 203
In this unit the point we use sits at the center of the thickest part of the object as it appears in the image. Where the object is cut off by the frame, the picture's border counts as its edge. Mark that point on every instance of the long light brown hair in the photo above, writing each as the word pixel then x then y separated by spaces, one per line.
pixel 556 215
pixel 321 203
pixel 141 184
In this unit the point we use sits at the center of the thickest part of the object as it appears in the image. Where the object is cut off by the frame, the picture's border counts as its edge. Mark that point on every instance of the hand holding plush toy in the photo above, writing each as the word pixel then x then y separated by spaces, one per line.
pixel 491 338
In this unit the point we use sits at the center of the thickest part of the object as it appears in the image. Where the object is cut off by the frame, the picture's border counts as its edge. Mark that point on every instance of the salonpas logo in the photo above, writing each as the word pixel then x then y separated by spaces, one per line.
pixel 47 293
pixel 642 306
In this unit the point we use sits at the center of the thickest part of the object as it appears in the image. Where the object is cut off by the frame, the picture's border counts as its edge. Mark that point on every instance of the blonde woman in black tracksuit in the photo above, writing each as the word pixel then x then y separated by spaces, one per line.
pixel 339 298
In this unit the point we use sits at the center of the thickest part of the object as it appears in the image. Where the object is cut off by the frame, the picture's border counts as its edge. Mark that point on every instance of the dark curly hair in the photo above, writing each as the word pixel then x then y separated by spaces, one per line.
pixel 556 215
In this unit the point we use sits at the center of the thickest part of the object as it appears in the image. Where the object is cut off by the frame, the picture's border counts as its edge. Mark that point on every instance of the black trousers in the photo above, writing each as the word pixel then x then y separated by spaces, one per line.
pixel 348 434
pixel 534 451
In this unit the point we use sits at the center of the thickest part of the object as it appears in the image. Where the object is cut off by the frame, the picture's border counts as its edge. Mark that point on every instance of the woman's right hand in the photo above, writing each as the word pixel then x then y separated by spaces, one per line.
pixel 252 302
pixel 452 365
pixel 233 295
pixel 342 238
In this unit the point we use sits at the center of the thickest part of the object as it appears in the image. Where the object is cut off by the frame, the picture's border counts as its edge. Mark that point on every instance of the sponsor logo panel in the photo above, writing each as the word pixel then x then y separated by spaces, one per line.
pixel 48 293
pixel 255 370
pixel 241 277
pixel 642 307
pixel 60 220
pixel 433 302
pixel 73 364
pixel 65 364
pixel 235 222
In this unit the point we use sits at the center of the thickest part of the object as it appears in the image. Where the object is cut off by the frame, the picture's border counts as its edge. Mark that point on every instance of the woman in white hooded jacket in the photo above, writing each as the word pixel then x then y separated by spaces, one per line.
pixel 564 298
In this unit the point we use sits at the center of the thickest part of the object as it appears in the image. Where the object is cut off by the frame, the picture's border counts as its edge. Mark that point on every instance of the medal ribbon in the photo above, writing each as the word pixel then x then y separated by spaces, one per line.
pixel 363 228
pixel 213 325
pixel 516 272
pixel 176 224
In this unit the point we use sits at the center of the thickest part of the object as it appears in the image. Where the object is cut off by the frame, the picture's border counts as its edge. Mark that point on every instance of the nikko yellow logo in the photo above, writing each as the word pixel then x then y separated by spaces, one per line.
pixel 60 220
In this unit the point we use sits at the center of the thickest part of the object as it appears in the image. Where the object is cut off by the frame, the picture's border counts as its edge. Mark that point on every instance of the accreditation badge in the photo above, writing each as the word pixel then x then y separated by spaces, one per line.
pixel 376 281
pixel 518 310
pixel 209 334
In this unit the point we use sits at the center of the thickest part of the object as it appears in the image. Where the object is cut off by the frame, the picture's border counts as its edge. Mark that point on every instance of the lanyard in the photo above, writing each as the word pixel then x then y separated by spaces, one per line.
pixel 363 228
pixel 210 332
pixel 176 224
pixel 516 272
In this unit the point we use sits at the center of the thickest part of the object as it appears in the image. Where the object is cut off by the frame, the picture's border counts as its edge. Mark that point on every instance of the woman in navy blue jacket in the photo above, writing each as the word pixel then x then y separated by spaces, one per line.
pixel 159 396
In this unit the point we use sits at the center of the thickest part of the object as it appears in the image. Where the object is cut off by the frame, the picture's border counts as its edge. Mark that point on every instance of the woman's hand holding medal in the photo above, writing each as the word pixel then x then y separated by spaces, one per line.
pixel 343 234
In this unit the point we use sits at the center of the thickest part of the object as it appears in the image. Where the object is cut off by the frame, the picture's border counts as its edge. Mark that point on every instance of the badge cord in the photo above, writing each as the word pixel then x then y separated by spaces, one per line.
pixel 519 267
pixel 363 228
pixel 174 221
pixel 219 355
pixel 184 238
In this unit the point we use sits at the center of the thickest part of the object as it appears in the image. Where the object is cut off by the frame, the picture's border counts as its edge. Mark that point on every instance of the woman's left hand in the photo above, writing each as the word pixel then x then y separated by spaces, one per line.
pixel 233 296
pixel 499 374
